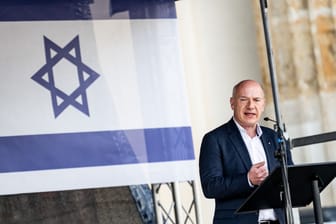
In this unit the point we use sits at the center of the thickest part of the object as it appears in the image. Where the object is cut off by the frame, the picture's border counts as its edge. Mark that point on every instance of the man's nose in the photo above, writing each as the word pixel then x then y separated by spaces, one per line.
pixel 250 103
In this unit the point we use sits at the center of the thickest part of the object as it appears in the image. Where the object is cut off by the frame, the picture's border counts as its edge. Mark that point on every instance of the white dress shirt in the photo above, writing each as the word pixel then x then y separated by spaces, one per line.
pixel 257 154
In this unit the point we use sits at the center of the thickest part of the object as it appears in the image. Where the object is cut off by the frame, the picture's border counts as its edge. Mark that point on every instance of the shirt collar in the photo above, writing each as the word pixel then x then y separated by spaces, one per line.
pixel 242 130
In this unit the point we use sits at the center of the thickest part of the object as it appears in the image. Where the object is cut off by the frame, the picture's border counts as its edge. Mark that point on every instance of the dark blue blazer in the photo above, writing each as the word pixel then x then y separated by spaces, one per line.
pixel 224 163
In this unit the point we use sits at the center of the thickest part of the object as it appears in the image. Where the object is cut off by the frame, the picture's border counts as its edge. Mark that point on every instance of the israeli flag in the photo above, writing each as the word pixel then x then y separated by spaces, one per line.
pixel 92 95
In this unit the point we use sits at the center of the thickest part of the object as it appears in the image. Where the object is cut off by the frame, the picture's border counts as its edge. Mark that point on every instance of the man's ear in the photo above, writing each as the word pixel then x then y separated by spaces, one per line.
pixel 231 102
pixel 263 108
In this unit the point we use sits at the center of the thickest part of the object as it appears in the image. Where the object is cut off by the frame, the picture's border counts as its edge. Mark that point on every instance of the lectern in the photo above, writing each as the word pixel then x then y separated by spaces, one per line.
pixel 306 181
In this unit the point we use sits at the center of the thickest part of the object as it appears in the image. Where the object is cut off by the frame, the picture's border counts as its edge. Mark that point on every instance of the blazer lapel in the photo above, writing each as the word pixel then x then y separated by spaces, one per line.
pixel 269 151
pixel 239 144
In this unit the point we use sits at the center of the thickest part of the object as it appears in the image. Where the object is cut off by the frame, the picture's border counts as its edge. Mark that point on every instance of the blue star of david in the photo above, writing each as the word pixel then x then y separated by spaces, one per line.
pixel 45 76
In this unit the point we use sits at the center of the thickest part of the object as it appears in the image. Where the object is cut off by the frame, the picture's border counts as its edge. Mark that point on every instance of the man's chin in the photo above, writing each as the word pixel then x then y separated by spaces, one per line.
pixel 250 122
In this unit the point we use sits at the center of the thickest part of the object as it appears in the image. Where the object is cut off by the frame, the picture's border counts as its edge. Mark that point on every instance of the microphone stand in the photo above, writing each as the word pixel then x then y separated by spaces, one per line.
pixel 281 154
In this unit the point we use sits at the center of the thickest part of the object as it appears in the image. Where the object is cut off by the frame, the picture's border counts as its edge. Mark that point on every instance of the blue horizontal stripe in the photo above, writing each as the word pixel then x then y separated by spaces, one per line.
pixel 22 10
pixel 55 151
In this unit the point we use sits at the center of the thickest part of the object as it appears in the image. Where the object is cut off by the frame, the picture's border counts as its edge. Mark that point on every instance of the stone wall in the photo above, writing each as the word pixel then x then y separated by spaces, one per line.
pixel 303 40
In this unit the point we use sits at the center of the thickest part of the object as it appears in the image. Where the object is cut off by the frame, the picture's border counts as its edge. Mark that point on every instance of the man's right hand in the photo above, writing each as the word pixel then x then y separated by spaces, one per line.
pixel 257 173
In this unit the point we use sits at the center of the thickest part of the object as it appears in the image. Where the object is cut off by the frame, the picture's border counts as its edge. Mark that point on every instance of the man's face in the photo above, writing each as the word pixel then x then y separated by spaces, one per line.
pixel 248 104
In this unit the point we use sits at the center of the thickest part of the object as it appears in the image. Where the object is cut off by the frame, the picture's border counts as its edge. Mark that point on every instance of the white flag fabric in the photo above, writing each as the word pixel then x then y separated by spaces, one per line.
pixel 92 95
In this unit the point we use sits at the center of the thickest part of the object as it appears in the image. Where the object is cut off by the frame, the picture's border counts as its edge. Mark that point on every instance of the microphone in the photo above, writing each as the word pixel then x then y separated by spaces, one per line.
pixel 276 128
pixel 269 119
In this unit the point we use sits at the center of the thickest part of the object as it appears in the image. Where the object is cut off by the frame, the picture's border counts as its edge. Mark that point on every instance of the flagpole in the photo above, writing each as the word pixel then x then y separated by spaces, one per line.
pixel 281 155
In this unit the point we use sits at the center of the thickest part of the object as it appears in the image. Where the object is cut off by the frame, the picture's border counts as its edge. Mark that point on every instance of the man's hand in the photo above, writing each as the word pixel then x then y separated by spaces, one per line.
pixel 257 173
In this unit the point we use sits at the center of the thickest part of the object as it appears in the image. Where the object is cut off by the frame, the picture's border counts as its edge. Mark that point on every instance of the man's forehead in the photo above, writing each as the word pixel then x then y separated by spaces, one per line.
pixel 250 90
pixel 254 97
pixel 251 93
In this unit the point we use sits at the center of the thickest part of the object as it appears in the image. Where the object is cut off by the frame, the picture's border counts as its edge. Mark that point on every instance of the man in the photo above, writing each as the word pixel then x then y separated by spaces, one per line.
pixel 237 156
